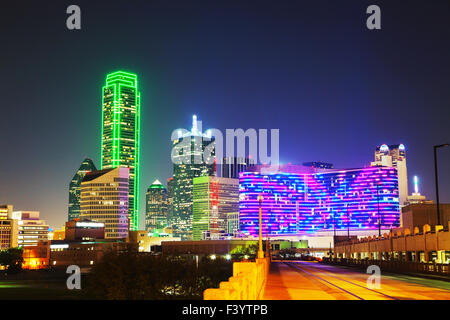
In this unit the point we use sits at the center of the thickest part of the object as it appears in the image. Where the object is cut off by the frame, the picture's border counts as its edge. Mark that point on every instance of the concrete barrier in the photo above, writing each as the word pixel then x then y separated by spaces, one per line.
pixel 247 283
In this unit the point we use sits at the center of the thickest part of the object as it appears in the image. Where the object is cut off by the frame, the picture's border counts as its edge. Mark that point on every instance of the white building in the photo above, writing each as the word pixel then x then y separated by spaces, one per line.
pixel 394 156
pixel 31 228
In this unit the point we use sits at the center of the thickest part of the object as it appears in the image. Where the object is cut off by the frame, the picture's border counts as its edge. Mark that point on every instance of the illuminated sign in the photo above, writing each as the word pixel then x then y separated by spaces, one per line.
pixel 90 224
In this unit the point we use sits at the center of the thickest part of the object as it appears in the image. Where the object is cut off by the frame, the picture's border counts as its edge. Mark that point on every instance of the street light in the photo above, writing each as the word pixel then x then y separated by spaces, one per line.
pixel 436 180
pixel 260 250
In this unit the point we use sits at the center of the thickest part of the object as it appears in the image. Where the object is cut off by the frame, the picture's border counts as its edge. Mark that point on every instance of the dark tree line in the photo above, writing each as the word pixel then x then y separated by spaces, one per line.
pixel 12 259
pixel 130 275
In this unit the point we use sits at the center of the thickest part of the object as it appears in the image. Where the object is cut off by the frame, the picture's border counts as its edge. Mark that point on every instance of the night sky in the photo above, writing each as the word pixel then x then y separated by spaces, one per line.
pixel 335 89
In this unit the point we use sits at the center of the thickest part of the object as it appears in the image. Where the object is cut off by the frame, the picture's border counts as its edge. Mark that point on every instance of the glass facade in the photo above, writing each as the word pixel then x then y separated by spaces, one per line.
pixel 104 198
pixel 188 163
pixel 296 203
pixel 75 188
pixel 213 199
pixel 121 133
pixel 156 205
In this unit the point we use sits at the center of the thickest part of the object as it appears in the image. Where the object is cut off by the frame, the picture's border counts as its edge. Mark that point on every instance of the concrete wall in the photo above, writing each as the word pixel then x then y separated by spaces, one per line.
pixel 247 283
pixel 407 245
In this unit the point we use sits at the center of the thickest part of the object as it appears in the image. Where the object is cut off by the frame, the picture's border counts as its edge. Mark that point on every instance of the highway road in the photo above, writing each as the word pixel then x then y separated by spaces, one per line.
pixel 301 280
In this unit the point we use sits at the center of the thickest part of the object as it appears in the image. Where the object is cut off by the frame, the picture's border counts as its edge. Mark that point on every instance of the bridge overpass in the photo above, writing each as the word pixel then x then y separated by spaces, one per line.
pixel 301 280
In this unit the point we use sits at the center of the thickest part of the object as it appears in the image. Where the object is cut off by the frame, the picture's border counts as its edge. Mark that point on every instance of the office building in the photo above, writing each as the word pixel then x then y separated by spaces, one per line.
pixel 170 219
pixel 75 186
pixel 419 214
pixel 84 230
pixel 59 234
pixel 121 133
pixel 394 156
pixel 147 241
pixel 297 203
pixel 37 257
pixel 84 254
pixel 233 224
pixel 187 156
pixel 9 228
pixel 104 198
pixel 31 228
pixel 231 166
pixel 156 203
pixel 213 199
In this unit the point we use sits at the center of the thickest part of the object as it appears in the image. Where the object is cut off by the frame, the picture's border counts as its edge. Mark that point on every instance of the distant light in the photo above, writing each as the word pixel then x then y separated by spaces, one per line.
pixel 228 257
pixel 213 257
pixel 401 146
pixel 90 224
pixel 246 257
pixel 384 147
pixel 59 246
pixel 416 184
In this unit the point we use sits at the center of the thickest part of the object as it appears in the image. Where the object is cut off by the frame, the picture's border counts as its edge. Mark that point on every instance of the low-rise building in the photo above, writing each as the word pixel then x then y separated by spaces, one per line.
pixel 424 244
pixel 9 228
pixel 84 254
pixel 84 230
pixel 37 257
pixel 419 214
pixel 146 240
pixel 31 228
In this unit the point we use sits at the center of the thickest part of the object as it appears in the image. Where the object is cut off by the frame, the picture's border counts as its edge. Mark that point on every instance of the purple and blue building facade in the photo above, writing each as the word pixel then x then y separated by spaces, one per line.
pixel 298 203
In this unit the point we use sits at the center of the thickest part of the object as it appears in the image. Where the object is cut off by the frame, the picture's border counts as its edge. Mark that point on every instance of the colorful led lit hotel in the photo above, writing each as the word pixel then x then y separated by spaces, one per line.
pixel 305 203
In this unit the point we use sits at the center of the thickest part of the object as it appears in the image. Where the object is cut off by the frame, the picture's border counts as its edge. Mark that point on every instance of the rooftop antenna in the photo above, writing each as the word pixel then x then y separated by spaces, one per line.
pixel 194 124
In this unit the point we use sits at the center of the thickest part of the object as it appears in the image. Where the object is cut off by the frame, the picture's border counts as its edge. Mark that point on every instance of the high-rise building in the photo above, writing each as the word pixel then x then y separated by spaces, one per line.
pixel 121 133
pixel 31 228
pixel 170 184
pixel 75 186
pixel 104 198
pixel 296 203
pixel 213 199
pixel 156 202
pixel 394 156
pixel 9 228
pixel 231 166
pixel 187 152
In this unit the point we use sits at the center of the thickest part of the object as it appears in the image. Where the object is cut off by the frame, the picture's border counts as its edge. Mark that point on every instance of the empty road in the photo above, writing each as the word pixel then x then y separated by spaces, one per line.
pixel 301 280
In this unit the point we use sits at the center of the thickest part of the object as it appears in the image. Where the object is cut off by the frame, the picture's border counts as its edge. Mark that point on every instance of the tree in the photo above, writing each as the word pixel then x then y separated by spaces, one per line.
pixel 12 258
pixel 240 252
pixel 131 275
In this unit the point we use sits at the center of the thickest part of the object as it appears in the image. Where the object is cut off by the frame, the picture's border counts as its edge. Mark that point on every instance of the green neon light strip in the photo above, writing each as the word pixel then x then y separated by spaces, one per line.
pixel 115 81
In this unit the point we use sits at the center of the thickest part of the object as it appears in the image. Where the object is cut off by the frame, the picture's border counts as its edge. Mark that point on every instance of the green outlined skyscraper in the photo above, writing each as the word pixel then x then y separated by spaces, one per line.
pixel 121 133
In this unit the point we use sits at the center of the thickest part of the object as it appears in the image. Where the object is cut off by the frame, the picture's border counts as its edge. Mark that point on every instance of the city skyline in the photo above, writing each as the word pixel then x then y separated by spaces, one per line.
pixel 398 95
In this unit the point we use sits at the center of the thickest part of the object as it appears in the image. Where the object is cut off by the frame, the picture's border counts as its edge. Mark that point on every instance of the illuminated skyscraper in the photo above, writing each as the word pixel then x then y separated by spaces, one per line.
pixel 187 152
pixel 156 202
pixel 75 186
pixel 121 133
pixel 231 166
pixel 394 156
pixel 298 203
pixel 214 199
